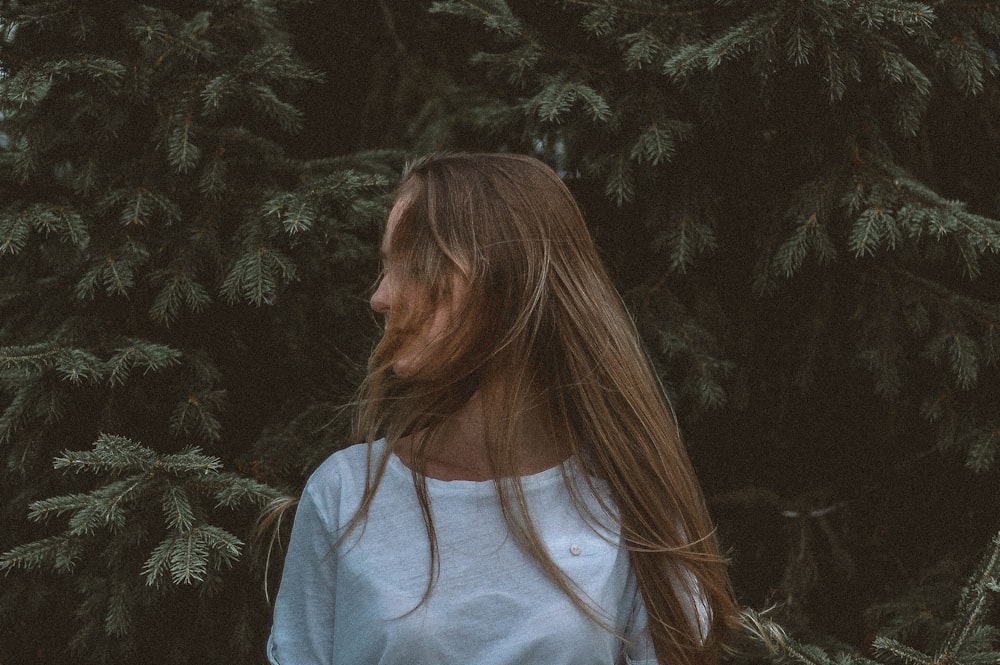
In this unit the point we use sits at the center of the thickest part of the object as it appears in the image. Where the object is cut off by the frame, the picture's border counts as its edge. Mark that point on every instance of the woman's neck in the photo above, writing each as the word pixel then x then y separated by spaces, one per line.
pixel 459 449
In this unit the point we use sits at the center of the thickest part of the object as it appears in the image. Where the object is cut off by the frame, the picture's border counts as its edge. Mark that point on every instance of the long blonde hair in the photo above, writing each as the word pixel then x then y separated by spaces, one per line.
pixel 539 313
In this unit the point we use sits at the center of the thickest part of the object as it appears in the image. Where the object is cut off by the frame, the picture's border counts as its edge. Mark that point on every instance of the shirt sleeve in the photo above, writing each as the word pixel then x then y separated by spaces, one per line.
pixel 640 650
pixel 304 610
pixel 640 645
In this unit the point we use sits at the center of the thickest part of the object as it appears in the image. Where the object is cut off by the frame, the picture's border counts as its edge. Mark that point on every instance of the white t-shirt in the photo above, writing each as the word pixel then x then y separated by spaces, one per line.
pixel 491 602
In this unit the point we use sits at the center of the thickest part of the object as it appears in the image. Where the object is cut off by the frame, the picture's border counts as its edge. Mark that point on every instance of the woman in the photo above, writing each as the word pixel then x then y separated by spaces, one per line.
pixel 527 498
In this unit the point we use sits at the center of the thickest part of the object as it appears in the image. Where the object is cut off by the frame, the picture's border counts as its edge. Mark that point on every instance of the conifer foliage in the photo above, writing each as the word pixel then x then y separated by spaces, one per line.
pixel 966 637
pixel 801 198
pixel 151 223
pixel 797 198
pixel 619 89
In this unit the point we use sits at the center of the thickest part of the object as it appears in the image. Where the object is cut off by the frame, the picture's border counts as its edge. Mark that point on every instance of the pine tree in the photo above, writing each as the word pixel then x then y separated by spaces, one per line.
pixel 151 226
pixel 963 637
pixel 800 200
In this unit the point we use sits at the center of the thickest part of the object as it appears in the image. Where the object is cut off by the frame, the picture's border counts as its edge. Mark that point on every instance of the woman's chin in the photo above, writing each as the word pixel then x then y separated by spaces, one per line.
pixel 405 368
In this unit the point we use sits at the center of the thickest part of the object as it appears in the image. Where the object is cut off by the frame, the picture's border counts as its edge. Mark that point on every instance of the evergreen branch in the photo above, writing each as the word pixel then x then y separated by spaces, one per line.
pixel 687 238
pixel 948 4
pixel 643 48
pixel 231 490
pixel 13 416
pixel 983 231
pixel 170 211
pixel 118 493
pixel 189 461
pixel 970 258
pixel 646 11
pixel 866 233
pixel 115 270
pixel 150 356
pixel 30 358
pixel 658 142
pixel 150 25
pixel 224 544
pixel 111 453
pixel 37 16
pixel 214 93
pixel 500 19
pixel 190 551
pixel 84 177
pixel 188 555
pixel 684 61
pixel 940 216
pixel 213 179
pixel 118 618
pixel 982 311
pixel 62 552
pixel 277 63
pixel 182 153
pixel 990 344
pixel 620 184
pixel 267 102
pixel 855 659
pixel 45 508
pixel 792 252
pixel 256 275
pixel 518 62
pixel 975 602
pixel 26 156
pixel 897 68
pixel 74 228
pixel 94 66
pixel 706 381
pixel 189 559
pixel 984 448
pixel 87 285
pixel 799 45
pixel 507 25
pixel 26 88
pixel 883 362
pixel 33 83
pixel 553 101
pixel 104 508
pixel 118 276
pixel 158 562
pixel 77 366
pixel 883 646
pixel 968 61
pixel 197 414
pixel 14 231
pixel 989 657
pixel 595 105
pixel 738 40
pixel 960 353
pixel 809 235
pixel 177 509
pixel 293 210
pixel 777 642
pixel 599 21
pixel 179 288
pixel 905 13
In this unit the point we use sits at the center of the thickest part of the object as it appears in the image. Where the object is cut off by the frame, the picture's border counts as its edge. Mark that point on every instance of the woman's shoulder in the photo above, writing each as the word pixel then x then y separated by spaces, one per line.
pixel 348 458
pixel 344 469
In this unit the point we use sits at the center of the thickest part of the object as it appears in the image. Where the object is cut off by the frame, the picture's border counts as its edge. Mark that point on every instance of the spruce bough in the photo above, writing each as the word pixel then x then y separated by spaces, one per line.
pixel 798 199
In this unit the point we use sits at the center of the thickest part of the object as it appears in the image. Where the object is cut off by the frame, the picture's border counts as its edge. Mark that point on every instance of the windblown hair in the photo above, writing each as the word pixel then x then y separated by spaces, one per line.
pixel 538 316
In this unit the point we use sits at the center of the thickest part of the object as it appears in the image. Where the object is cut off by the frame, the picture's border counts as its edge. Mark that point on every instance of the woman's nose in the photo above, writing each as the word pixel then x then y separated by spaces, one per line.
pixel 380 299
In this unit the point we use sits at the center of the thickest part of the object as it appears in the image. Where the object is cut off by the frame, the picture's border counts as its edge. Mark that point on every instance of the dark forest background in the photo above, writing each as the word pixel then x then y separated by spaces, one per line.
pixel 798 200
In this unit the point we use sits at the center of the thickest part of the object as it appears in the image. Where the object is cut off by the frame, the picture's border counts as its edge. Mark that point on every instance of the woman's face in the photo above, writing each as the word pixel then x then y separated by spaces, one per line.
pixel 395 297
